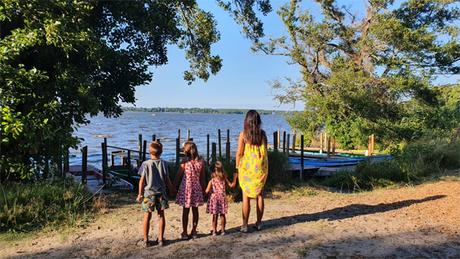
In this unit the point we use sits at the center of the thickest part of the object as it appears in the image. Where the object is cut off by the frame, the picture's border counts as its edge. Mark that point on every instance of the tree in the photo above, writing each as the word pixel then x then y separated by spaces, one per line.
pixel 62 60
pixel 369 73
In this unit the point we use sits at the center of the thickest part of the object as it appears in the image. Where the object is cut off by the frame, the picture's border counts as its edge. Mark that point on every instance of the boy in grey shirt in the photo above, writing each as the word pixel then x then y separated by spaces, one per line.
pixel 153 187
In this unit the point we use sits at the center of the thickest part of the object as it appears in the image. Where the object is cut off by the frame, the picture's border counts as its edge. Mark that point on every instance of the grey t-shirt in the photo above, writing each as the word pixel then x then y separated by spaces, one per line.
pixel 154 171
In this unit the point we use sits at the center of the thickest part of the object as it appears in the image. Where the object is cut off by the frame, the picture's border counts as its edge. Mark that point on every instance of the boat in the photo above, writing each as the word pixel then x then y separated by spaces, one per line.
pixel 94 179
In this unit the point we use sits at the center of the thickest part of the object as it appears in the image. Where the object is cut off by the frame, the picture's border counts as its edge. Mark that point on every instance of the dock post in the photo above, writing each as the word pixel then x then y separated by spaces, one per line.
pixel 284 142
pixel 178 134
pixel 139 148
pixel 321 143
pixel 279 139
pixel 144 151
pixel 328 146
pixel 177 151
pixel 154 137
pixel 188 134
pixel 333 146
pixel 66 161
pixel 294 138
pixel 213 154
pixel 207 148
pixel 301 156
pixel 104 162
pixel 84 163
pixel 275 141
pixel 219 141
pixel 227 147
pixel 287 143
pixel 128 161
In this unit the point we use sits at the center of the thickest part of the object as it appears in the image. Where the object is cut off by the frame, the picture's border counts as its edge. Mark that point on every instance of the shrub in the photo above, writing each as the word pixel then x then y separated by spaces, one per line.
pixel 278 166
pixel 29 206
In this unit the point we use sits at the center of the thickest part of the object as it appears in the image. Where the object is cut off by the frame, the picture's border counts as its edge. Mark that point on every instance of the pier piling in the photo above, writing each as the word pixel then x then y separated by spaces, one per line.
pixel 84 163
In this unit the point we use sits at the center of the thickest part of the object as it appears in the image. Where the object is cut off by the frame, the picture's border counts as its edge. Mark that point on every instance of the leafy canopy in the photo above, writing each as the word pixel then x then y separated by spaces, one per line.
pixel 367 72
pixel 61 60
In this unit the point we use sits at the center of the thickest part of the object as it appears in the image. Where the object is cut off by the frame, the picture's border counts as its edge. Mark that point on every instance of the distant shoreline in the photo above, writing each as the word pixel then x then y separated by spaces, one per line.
pixel 200 110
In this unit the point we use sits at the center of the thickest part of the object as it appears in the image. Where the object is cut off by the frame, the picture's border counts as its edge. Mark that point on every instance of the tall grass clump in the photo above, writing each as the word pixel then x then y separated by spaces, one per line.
pixel 278 166
pixel 30 206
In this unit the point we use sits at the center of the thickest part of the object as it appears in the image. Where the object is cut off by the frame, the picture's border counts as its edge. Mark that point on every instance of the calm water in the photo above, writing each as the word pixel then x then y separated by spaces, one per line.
pixel 123 131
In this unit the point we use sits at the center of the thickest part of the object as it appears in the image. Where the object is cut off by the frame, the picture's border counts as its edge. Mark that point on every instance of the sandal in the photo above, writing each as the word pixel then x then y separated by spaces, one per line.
pixel 258 226
pixel 161 242
pixel 184 236
pixel 145 243
pixel 222 233
pixel 244 229
pixel 194 235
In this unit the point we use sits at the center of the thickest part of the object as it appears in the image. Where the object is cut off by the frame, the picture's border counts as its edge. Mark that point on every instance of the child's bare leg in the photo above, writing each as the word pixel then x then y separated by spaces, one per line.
pixel 185 212
pixel 214 223
pixel 246 209
pixel 222 222
pixel 146 225
pixel 195 219
pixel 260 208
pixel 161 224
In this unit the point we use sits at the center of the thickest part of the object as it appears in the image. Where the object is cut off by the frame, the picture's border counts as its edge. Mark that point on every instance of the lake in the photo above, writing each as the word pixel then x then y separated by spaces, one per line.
pixel 123 131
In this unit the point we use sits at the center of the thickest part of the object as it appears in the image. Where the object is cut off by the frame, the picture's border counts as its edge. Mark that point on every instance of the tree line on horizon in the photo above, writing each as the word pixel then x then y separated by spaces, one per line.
pixel 199 110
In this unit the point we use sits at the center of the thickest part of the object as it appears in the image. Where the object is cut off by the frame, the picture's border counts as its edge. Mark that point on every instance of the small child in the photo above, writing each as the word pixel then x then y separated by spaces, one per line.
pixel 152 191
pixel 217 202
pixel 192 185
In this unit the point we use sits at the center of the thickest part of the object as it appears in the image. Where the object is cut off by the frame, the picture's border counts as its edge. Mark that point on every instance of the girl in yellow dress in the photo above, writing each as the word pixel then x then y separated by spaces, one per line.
pixel 252 165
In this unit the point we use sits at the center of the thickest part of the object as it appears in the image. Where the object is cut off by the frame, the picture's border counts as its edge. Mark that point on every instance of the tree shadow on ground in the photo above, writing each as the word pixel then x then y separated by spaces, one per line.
pixel 349 211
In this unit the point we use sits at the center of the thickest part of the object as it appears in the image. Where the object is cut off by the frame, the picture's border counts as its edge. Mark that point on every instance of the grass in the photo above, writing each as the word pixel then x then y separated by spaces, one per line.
pixel 26 207
pixel 416 163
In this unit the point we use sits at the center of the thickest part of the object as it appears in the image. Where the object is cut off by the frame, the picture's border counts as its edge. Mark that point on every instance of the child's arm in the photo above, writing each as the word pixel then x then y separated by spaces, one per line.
pixel 208 189
pixel 180 174
pixel 171 188
pixel 233 183
pixel 141 189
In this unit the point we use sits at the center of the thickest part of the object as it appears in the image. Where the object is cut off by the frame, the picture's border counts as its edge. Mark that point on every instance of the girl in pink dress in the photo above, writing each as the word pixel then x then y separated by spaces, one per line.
pixel 192 185
pixel 217 202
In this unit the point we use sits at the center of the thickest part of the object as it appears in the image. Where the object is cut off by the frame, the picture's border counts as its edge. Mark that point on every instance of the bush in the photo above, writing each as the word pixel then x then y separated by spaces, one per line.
pixel 414 162
pixel 278 166
pixel 368 176
pixel 30 206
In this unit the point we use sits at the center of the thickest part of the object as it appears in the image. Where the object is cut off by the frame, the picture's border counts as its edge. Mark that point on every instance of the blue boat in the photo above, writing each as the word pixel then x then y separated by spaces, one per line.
pixel 336 162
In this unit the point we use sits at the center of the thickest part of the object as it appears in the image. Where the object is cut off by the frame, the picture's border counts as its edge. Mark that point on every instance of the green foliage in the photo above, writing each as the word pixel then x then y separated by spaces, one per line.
pixel 62 60
pixel 412 163
pixel 278 166
pixel 369 73
pixel 31 206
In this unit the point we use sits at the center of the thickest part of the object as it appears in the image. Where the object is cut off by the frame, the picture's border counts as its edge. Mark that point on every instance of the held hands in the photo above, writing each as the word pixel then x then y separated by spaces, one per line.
pixel 139 198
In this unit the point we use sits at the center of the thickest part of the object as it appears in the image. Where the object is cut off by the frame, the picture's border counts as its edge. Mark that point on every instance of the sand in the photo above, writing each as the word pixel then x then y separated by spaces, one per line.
pixel 420 221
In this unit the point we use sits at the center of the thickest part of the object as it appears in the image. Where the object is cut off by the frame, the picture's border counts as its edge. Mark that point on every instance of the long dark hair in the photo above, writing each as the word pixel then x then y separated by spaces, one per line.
pixel 252 132
pixel 191 151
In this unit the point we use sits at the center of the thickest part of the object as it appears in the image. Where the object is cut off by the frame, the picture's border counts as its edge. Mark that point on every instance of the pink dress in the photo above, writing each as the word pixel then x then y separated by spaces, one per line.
pixel 217 202
pixel 190 193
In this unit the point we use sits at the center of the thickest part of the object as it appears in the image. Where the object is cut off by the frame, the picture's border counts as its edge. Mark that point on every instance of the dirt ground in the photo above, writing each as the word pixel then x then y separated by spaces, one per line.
pixel 420 221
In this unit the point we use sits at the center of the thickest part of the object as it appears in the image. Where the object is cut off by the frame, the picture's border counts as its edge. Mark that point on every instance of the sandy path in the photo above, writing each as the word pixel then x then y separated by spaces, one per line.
pixel 422 221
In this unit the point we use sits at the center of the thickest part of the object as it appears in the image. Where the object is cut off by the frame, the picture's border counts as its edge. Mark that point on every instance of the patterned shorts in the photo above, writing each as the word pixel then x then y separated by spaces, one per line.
pixel 155 201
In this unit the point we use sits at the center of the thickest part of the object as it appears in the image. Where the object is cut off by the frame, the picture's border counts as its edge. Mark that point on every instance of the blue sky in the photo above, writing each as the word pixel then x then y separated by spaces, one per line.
pixel 243 81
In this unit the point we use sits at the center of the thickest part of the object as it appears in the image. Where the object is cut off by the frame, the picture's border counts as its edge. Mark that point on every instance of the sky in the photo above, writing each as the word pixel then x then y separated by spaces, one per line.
pixel 244 79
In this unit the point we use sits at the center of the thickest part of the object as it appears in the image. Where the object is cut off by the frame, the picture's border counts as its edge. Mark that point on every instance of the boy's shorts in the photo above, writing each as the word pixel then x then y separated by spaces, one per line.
pixel 155 201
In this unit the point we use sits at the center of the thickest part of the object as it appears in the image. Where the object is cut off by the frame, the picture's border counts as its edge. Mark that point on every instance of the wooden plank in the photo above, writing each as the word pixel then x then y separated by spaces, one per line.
pixel 213 154
pixel 207 148
pixel 301 156
pixel 287 143
pixel 275 141
pixel 144 151
pixel 294 138
pixel 284 142
pixel 177 151
pixel 219 141
pixel 84 163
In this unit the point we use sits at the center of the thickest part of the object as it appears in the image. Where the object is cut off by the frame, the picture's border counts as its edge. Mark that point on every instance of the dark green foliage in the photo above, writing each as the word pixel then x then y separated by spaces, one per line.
pixel 413 163
pixel 369 72
pixel 278 166
pixel 26 207
pixel 62 60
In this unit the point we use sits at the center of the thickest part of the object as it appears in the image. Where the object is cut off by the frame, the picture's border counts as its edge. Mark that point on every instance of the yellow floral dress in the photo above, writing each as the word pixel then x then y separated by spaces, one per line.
pixel 253 169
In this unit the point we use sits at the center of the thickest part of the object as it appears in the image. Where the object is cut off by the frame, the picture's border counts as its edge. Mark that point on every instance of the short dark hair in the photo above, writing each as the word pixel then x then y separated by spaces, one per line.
pixel 155 148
